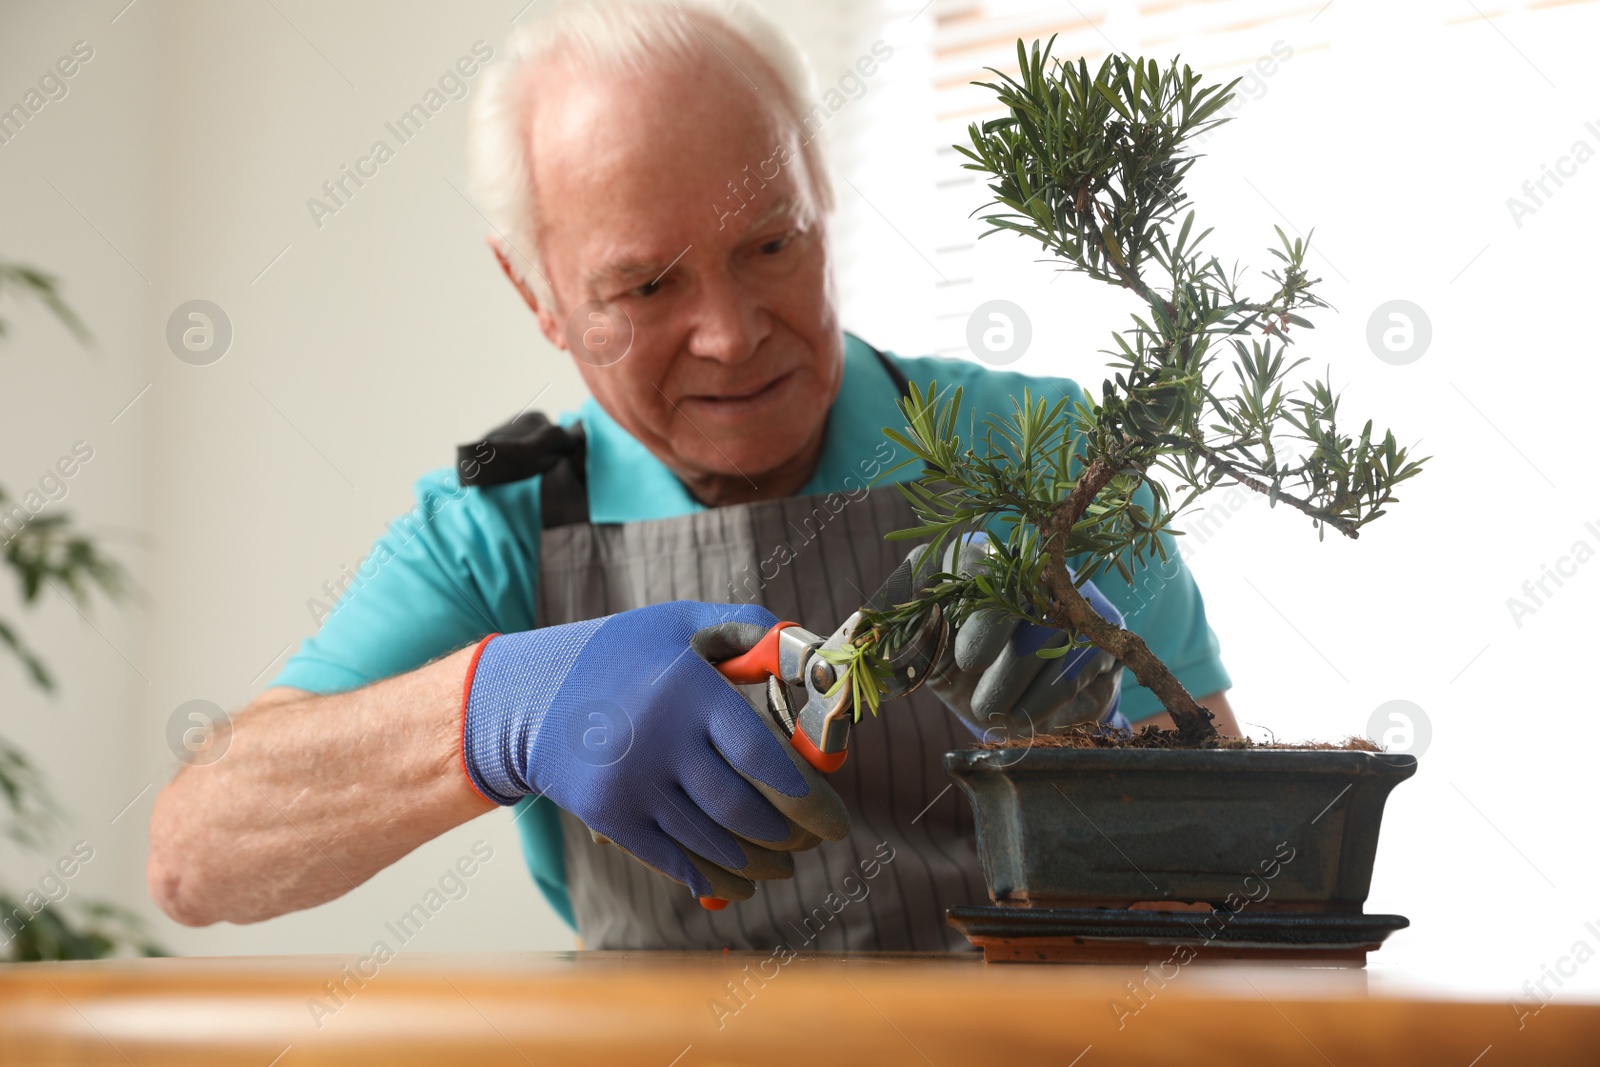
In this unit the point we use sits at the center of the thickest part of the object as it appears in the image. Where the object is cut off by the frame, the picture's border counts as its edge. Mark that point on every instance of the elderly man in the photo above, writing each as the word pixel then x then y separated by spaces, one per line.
pixel 541 633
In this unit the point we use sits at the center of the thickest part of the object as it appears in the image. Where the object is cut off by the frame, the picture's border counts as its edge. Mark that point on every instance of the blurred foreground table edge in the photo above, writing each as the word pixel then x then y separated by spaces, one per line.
pixel 683 1009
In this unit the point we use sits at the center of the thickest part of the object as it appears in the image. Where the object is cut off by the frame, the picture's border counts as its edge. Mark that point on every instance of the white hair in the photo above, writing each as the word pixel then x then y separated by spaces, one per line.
pixel 608 37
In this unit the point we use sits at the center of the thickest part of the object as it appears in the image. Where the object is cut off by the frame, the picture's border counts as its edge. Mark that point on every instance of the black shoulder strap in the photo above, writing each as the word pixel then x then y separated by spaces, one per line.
pixel 901 383
pixel 531 445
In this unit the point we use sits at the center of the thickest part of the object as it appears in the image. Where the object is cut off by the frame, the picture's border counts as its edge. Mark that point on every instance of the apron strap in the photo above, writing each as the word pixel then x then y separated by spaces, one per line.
pixel 527 446
pixel 902 384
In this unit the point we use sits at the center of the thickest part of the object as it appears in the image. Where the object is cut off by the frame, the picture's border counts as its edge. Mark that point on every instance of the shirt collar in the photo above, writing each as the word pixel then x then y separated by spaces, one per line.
pixel 628 484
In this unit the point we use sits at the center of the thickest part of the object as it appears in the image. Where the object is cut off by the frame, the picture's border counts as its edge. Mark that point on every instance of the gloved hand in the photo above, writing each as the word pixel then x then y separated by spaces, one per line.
pixel 993 681
pixel 624 722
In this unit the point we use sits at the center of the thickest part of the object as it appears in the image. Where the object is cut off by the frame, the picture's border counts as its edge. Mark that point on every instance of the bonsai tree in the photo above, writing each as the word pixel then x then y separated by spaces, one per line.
pixel 49 549
pixel 1092 165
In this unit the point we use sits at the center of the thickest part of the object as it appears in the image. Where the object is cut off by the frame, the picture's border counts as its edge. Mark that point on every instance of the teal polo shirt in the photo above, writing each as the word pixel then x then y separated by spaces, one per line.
pixel 464 562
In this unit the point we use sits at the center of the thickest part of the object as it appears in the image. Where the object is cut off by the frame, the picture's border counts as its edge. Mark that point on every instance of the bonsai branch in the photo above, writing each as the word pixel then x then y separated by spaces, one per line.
pixel 1095 478
pixel 1193 721
pixel 1245 478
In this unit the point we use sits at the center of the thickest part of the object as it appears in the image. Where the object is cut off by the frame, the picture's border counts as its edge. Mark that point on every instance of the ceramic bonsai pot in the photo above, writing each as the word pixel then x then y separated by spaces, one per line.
pixel 1220 831
pixel 1067 827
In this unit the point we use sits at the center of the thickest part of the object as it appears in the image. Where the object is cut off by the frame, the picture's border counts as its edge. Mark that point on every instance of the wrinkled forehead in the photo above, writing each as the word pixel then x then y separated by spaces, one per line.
pixel 676 102
pixel 654 154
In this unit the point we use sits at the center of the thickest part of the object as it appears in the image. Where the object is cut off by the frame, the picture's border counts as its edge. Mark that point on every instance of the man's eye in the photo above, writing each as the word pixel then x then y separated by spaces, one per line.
pixel 647 289
pixel 777 244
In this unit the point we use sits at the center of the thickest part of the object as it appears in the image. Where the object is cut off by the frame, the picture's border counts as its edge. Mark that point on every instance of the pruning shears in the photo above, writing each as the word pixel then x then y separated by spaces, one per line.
pixel 787 656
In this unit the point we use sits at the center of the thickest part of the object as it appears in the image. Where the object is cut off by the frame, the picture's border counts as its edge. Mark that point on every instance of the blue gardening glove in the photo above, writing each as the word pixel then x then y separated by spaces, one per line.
pixel 624 722
pixel 993 681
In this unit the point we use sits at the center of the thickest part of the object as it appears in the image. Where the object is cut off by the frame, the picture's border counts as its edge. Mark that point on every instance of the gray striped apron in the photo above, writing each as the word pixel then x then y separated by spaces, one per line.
pixel 900 801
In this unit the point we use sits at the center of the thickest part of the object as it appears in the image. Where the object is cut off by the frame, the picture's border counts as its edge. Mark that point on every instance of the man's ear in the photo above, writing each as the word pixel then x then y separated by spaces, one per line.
pixel 547 319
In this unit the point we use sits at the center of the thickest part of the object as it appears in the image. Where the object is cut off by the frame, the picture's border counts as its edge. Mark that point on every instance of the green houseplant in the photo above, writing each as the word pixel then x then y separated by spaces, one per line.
pixel 48 550
pixel 1091 164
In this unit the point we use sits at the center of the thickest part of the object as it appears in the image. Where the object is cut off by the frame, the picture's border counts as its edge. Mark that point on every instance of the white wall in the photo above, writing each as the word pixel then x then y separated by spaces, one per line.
pixel 193 138
pixel 98 147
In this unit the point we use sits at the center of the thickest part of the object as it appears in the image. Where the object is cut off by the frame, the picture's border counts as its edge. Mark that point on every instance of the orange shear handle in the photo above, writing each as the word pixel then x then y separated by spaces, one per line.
pixel 758 664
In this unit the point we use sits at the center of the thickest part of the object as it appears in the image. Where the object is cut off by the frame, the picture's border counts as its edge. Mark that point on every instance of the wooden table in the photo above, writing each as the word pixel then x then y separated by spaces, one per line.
pixel 688 1010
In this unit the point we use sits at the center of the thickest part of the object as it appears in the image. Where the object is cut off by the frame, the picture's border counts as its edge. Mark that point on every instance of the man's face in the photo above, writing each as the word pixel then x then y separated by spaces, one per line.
pixel 736 353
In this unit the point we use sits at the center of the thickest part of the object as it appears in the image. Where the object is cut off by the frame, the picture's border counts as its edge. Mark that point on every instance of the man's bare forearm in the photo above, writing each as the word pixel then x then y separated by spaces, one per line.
pixel 314 795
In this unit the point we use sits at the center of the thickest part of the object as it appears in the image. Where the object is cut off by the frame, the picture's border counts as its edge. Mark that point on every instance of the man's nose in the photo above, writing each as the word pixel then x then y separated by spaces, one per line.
pixel 728 323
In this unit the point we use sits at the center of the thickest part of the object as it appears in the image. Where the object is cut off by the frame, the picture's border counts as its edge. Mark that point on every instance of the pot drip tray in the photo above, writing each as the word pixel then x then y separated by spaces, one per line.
pixel 1113 935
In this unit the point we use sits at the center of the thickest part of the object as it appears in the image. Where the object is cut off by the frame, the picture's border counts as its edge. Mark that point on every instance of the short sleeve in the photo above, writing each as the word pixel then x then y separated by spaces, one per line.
pixel 462 563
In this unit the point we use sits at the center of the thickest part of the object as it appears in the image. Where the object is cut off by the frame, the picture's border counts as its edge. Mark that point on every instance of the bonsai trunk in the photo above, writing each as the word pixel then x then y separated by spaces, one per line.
pixel 1066 603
